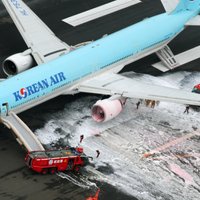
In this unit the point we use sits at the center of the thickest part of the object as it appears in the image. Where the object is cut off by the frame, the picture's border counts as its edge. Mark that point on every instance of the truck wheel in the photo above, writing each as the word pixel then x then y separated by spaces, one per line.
pixel 70 165
pixel 53 170
pixel 77 169
pixel 44 171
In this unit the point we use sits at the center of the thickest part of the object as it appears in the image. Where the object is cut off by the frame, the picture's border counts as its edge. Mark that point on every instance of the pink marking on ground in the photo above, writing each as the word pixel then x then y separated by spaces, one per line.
pixel 176 169
pixel 170 144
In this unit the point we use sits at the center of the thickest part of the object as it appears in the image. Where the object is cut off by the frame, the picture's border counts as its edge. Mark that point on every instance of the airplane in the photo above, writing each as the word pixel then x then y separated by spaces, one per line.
pixel 94 68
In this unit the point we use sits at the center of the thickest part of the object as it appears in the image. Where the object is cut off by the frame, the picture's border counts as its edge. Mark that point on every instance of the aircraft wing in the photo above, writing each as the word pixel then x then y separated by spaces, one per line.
pixel 119 85
pixel 43 43
pixel 100 11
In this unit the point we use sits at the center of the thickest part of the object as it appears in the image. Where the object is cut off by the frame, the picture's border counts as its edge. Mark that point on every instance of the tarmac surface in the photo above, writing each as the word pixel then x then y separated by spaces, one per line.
pixel 16 181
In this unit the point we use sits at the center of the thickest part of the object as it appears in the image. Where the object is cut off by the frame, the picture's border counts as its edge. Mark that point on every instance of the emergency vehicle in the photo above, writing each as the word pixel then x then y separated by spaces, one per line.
pixel 69 159
pixel 196 89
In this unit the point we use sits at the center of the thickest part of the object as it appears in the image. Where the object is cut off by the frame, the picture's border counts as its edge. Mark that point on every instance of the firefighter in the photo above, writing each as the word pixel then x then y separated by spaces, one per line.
pixel 147 102
pixel 138 104
pixel 187 109
pixel 153 103
pixel 81 138
pixel 98 153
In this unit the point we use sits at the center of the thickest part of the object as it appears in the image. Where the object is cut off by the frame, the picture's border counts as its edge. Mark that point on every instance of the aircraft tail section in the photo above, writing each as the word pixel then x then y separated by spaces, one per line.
pixel 188 5
pixel 174 6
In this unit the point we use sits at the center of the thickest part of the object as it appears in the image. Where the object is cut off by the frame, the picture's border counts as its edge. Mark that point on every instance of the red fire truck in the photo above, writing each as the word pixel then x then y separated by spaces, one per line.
pixel 196 89
pixel 69 159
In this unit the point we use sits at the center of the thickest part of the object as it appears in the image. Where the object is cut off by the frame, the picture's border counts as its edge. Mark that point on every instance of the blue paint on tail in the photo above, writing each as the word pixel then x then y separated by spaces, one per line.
pixel 187 5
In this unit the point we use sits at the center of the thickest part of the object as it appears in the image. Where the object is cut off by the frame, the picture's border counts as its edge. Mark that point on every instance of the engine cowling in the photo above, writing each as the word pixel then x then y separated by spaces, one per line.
pixel 17 63
pixel 107 109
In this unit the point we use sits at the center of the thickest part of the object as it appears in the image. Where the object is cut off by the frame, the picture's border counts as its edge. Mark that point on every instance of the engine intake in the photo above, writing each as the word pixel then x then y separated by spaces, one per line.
pixel 107 109
pixel 17 63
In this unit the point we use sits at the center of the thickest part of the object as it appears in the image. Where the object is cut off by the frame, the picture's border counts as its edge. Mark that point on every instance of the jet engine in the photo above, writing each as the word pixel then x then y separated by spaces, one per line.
pixel 107 109
pixel 17 63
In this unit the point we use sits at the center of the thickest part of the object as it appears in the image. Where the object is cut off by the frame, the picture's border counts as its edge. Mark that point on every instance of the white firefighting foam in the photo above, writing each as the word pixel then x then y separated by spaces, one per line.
pixel 123 141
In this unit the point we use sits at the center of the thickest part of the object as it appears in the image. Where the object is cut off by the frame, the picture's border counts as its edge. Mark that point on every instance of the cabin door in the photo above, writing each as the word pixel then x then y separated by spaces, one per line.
pixel 4 109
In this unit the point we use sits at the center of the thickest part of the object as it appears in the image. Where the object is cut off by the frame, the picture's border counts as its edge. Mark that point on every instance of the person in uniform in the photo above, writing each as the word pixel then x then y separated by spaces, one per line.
pixel 81 138
pixel 187 109
pixel 98 153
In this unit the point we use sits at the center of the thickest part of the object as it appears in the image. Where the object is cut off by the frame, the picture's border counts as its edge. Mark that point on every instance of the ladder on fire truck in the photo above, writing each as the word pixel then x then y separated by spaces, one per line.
pixel 23 134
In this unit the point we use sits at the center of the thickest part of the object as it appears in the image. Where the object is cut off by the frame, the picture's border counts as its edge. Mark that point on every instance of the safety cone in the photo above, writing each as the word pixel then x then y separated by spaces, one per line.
pixel 95 197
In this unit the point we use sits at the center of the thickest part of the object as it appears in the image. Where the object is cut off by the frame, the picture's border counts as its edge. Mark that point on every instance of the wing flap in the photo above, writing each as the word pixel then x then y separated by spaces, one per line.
pixel 181 59
pixel 114 84
pixel 39 38
pixel 167 57
pixel 194 21
pixel 99 12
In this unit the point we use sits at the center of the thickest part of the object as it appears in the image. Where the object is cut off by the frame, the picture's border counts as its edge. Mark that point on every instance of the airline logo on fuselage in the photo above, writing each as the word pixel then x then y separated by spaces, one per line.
pixel 39 86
